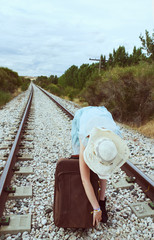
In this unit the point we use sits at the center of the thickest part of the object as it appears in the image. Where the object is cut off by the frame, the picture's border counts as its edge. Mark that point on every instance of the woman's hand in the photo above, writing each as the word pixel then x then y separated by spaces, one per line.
pixel 97 216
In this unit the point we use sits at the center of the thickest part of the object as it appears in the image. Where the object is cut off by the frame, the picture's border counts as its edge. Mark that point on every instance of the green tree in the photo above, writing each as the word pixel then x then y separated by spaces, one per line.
pixel 53 79
pixel 83 74
pixel 120 57
pixel 42 81
pixel 110 62
pixel 103 62
pixel 71 76
pixel 148 44
pixel 136 56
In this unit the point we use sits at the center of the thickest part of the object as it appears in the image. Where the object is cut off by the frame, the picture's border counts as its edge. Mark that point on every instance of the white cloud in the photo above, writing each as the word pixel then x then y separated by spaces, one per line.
pixel 46 37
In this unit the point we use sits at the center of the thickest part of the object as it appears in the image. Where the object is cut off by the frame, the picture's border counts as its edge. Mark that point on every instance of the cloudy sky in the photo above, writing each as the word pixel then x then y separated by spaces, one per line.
pixel 44 37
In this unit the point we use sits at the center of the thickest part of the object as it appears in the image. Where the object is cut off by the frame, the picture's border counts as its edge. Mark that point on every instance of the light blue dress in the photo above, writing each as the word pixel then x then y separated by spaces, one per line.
pixel 85 119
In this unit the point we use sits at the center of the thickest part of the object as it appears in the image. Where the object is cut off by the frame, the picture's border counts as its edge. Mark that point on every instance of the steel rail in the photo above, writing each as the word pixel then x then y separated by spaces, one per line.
pixel 143 180
pixel 70 115
pixel 146 183
pixel 8 169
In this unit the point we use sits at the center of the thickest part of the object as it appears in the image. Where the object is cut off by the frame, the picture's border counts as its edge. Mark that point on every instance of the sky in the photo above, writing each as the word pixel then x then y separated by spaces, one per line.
pixel 46 37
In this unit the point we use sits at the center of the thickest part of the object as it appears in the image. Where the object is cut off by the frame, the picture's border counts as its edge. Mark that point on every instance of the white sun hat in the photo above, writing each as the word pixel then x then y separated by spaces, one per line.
pixel 105 152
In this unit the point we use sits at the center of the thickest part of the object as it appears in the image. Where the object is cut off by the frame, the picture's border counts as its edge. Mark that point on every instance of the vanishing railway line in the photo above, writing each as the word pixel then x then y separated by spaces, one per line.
pixel 139 177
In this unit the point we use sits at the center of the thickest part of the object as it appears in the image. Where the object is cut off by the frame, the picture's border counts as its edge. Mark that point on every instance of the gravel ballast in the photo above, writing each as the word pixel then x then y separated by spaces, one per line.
pixel 52 140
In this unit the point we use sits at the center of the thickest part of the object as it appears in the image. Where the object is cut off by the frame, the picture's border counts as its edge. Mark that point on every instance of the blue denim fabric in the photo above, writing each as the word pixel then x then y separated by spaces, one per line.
pixel 85 119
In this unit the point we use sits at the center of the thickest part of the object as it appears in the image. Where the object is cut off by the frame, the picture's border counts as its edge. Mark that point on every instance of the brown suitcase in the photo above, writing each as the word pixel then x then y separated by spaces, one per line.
pixel 72 208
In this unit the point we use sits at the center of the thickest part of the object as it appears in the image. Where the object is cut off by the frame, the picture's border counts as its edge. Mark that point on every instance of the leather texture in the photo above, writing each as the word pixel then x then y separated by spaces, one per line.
pixel 72 208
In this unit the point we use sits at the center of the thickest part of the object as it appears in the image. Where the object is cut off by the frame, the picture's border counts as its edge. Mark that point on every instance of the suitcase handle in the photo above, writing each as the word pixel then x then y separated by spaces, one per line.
pixel 74 156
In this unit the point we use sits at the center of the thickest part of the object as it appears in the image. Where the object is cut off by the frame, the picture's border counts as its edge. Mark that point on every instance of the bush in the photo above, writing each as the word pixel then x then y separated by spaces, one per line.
pixel 9 83
pixel 93 92
pixel 130 100
pixel 126 92
pixel 9 80
pixel 24 83
pixel 4 97
pixel 54 89
pixel 71 92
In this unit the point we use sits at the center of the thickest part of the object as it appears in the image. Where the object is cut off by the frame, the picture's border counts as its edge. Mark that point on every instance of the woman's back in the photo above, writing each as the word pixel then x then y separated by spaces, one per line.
pixel 87 118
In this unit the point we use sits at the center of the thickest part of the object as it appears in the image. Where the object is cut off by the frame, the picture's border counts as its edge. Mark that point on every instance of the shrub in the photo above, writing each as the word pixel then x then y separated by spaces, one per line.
pixel 4 97
pixel 54 89
pixel 24 83
pixel 9 83
pixel 9 80
pixel 126 92
pixel 130 98
pixel 71 92
pixel 93 92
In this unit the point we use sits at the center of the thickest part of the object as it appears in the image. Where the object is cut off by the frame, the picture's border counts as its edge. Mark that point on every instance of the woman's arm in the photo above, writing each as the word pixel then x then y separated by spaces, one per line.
pixel 85 176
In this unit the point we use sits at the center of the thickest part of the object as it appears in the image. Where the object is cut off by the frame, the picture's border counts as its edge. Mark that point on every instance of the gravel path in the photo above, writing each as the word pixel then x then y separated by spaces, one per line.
pixel 51 141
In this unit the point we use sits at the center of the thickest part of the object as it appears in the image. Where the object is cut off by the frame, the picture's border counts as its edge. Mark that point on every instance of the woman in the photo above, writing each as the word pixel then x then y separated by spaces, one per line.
pixel 97 140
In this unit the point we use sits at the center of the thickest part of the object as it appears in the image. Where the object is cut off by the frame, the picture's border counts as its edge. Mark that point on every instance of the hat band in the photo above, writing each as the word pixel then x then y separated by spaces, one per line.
pixel 107 163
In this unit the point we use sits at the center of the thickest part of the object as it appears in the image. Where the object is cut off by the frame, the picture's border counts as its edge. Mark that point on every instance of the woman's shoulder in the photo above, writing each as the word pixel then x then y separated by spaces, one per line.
pixel 92 108
pixel 81 110
pixel 95 109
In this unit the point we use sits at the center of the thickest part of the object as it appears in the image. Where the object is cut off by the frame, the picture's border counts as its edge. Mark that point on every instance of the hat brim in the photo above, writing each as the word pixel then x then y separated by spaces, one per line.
pixel 94 163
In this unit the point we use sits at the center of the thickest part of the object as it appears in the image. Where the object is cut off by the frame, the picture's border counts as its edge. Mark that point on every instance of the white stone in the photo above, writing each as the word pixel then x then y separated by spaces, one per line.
pixel 72 238
pixel 51 141
pixel 44 221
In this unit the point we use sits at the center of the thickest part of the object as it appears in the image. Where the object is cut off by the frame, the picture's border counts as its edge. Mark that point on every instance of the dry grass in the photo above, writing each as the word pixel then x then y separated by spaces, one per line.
pixel 82 104
pixel 147 129
pixel 5 97
pixel 16 93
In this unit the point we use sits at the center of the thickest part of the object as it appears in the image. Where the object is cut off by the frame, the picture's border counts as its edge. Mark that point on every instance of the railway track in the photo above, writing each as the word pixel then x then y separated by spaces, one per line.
pixel 11 159
pixel 133 172
pixel 51 141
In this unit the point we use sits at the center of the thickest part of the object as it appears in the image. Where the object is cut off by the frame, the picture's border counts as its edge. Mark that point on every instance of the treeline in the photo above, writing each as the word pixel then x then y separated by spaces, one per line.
pixel 70 83
pixel 121 58
pixel 10 82
pixel 124 84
